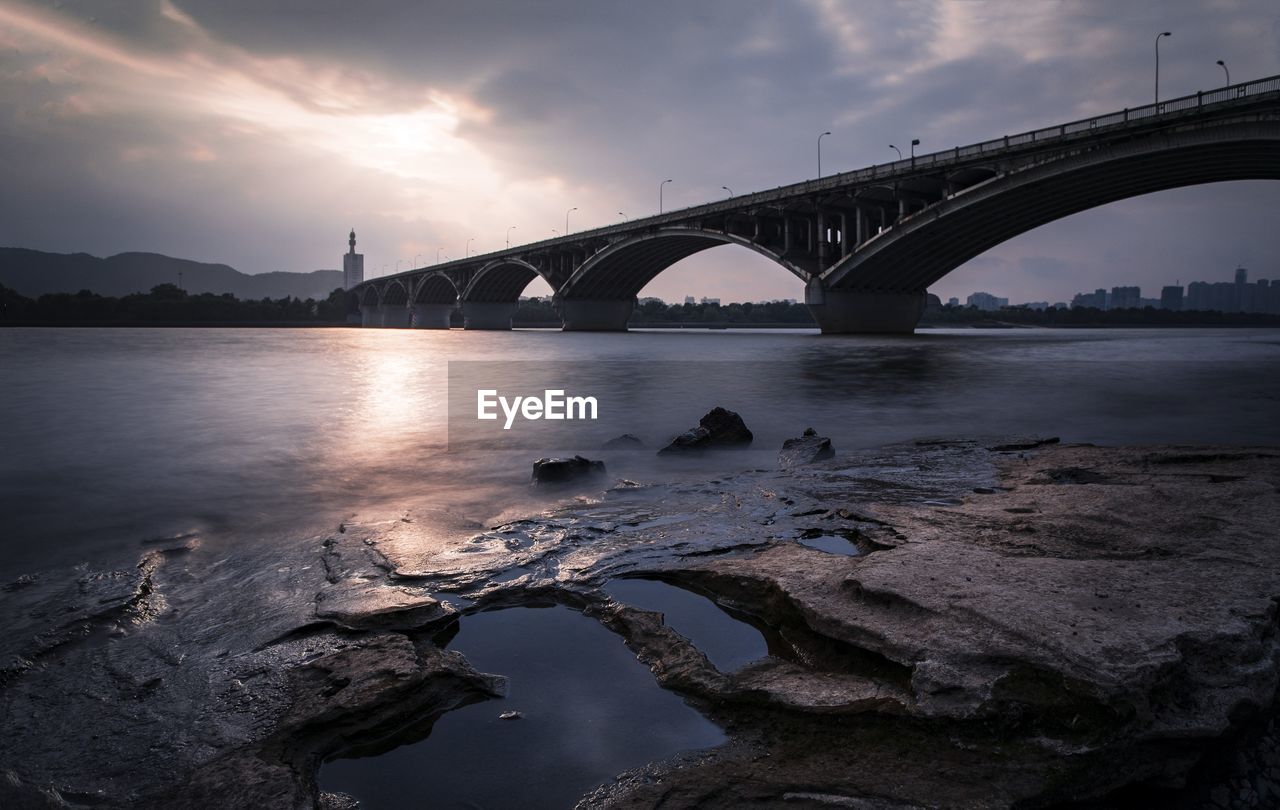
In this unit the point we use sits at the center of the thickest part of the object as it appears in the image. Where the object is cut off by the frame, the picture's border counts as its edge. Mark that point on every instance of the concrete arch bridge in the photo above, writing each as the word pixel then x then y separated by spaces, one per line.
pixel 867 243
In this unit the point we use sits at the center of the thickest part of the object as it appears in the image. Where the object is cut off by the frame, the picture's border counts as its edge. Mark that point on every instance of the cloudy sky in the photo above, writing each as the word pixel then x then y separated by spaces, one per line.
pixel 255 133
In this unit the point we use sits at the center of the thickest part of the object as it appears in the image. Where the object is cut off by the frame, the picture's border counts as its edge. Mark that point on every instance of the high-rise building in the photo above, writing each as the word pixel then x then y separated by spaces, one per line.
pixel 1094 300
pixel 1126 298
pixel 1171 297
pixel 1242 290
pixel 352 264
pixel 986 301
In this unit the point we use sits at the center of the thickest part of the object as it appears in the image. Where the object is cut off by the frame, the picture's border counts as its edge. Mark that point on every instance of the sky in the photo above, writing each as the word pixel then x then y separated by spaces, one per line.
pixel 257 132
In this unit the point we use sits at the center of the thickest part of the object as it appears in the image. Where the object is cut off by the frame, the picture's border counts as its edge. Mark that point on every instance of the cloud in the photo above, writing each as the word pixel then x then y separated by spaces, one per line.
pixel 256 134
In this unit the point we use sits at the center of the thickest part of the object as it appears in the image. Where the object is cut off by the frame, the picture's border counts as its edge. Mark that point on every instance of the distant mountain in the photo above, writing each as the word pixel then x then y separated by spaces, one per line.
pixel 33 273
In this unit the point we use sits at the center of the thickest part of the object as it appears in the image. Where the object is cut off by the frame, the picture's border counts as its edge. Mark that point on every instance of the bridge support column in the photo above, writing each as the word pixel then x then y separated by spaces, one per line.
pixel 370 315
pixel 432 316
pixel 488 314
pixel 861 312
pixel 395 315
pixel 596 315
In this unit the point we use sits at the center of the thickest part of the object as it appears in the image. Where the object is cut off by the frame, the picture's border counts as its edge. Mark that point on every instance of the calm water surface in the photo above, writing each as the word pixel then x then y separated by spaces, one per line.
pixel 114 436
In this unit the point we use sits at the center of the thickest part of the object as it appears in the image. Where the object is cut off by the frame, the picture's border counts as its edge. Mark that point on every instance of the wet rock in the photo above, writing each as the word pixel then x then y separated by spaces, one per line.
pixel 719 428
pixel 806 449
pixel 627 441
pixel 511 715
pixel 1028 443
pixel 565 470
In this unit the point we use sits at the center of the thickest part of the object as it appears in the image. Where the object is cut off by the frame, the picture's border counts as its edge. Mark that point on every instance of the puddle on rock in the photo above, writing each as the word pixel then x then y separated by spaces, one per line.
pixel 728 641
pixel 590 711
pixel 831 544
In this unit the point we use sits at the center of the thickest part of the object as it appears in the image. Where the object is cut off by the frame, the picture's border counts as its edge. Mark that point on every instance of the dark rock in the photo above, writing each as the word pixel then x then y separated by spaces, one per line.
pixel 564 470
pixel 1028 443
pixel 1070 475
pixel 719 428
pixel 806 449
pixel 627 441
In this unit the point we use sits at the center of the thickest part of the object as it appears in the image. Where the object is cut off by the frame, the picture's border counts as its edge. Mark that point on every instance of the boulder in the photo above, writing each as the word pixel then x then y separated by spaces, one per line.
pixel 627 441
pixel 806 449
pixel 564 470
pixel 719 428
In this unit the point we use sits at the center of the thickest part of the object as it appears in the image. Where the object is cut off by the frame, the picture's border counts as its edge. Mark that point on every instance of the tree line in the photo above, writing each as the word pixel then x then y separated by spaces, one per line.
pixel 168 303
pixel 541 311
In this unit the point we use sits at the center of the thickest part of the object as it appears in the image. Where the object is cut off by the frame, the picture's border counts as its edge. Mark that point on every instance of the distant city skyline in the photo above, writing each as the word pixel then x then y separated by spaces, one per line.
pixel 177 126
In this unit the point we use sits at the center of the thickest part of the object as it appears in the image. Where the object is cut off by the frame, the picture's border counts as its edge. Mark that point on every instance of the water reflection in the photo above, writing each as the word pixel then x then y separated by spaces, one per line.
pixel 590 711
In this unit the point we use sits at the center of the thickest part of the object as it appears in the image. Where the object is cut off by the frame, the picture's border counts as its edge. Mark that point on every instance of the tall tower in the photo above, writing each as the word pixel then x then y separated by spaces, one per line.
pixel 352 264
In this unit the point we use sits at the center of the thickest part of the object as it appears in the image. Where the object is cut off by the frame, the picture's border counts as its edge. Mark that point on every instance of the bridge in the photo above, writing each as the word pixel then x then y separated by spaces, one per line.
pixel 866 243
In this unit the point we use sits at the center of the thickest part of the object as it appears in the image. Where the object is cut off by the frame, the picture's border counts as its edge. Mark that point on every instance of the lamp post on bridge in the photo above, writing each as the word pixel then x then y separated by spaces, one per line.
pixel 896 149
pixel 914 143
pixel 509 230
pixel 1158 38
pixel 415 259
pixel 660 185
pixel 469 241
pixel 398 264
pixel 1225 70
pixel 566 220
pixel 624 216
pixel 820 137
pixel 438 254
pixel 726 188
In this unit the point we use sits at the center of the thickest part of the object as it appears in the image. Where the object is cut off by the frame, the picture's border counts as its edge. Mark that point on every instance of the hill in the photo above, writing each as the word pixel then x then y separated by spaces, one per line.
pixel 34 273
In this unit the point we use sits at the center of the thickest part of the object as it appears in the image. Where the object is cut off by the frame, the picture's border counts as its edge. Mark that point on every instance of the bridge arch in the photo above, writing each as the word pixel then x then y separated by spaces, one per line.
pixel 435 288
pixel 490 298
pixel 601 293
pixel 926 245
pixel 502 280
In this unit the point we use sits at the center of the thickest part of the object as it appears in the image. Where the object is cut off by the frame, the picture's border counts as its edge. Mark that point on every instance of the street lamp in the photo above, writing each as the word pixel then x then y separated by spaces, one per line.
pixel 820 137
pixel 415 259
pixel 624 216
pixel 1225 70
pixel 509 230
pixel 660 185
pixel 1158 37
pixel 398 264
pixel 726 188
pixel 469 241
pixel 896 149
pixel 566 220
pixel 438 254
pixel 914 143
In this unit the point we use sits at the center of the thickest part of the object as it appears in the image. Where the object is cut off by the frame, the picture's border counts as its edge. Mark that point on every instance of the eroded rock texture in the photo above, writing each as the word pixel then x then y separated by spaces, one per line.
pixel 1028 624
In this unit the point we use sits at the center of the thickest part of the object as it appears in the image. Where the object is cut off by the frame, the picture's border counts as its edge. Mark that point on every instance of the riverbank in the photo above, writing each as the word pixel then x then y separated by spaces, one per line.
pixel 1013 623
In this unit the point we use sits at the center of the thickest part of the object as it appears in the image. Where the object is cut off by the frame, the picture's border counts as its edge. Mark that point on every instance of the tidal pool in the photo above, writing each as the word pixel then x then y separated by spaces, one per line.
pixel 831 544
pixel 728 641
pixel 590 711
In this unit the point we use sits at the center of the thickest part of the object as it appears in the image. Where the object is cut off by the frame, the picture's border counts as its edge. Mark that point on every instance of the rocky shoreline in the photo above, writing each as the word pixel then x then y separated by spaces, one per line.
pixel 1021 625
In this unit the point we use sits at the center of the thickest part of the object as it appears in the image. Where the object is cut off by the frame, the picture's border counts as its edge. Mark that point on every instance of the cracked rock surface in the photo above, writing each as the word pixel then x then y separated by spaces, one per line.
pixel 1023 624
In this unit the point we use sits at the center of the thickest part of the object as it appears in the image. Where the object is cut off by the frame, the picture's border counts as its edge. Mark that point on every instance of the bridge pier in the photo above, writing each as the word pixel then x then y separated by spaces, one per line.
pixel 596 315
pixel 370 315
pixel 432 316
pixel 861 312
pixel 395 315
pixel 488 314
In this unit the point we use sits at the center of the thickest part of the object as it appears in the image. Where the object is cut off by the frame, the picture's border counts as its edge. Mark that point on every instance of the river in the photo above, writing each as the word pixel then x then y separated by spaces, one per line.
pixel 113 437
